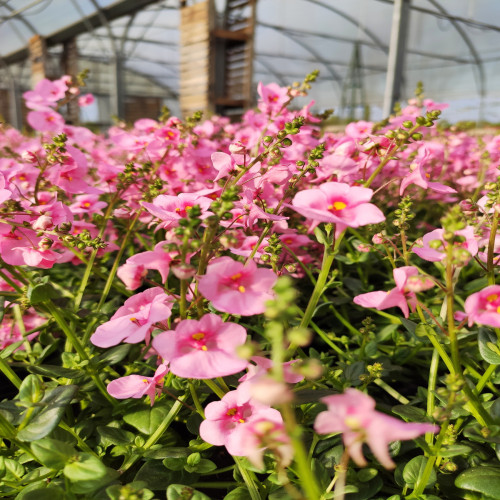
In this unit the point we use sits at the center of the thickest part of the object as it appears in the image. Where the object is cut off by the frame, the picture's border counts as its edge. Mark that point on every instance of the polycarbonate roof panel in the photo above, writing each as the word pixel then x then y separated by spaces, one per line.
pixel 457 59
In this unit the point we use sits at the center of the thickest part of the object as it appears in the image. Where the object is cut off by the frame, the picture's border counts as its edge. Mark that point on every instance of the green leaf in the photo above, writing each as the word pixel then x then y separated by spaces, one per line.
pixel 239 493
pixel 115 435
pixel 320 236
pixel 365 475
pixel 353 372
pixel 85 467
pixel 55 371
pixel 155 475
pixel 181 492
pixel 52 452
pixel 414 469
pixel 409 413
pixel 13 469
pixel 204 466
pixel 320 473
pixel 167 452
pixel 409 325
pixel 50 493
pixel 10 349
pixel 147 420
pixel 175 463
pixel 54 404
pixel 488 346
pixel 363 491
pixel 115 354
pixel 119 491
pixel 31 390
pixel 87 474
pixel 455 450
pixel 485 480
pixel 41 293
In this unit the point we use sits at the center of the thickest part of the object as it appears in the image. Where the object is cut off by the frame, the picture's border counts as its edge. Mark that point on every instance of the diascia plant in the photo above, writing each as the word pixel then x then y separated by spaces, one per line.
pixel 252 310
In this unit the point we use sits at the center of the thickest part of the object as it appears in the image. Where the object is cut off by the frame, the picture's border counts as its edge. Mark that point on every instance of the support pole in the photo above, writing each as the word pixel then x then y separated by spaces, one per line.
pixel 117 88
pixel 69 63
pixel 397 49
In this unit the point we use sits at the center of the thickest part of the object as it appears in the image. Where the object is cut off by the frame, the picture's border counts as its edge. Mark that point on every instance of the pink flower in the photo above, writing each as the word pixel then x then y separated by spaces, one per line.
pixel 338 203
pixel 170 209
pixel 272 97
pixel 46 94
pixel 133 322
pixel 484 307
pixel 202 349
pixel 353 413
pixel 136 267
pixel 434 247
pixel 266 434
pixel 135 386
pixel 85 100
pixel 236 288
pixel 5 194
pixel 223 163
pixel 259 373
pixel 225 421
pixel 419 177
pixel 45 121
pixel 408 282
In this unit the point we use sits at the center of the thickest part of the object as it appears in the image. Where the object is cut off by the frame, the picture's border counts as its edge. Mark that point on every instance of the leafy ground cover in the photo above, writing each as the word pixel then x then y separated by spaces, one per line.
pixel 250 310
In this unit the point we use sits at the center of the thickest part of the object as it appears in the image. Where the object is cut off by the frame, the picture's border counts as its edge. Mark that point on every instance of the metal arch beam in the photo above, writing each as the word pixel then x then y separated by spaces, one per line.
pixel 354 21
pixel 336 77
pixel 115 10
pixel 18 14
pixel 370 44
pixel 463 20
pixel 470 45
pixel 371 67
pixel 270 69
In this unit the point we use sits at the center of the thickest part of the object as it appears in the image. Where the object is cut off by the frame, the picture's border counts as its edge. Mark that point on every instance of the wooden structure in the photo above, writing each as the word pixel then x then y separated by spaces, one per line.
pixel 197 57
pixel 217 57
pixel 38 58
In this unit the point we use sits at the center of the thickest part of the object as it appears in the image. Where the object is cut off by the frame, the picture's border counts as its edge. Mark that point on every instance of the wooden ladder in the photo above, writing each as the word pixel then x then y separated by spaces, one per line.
pixel 234 51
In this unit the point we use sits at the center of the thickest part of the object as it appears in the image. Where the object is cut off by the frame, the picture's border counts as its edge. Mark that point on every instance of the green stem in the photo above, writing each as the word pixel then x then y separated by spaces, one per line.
pixel 431 387
pixel 116 263
pixel 70 335
pixel 491 250
pixel 215 388
pixel 485 378
pixel 90 263
pixel 424 478
pixel 390 390
pixel 158 433
pixel 307 479
pixel 10 373
pixel 328 258
pixel 10 282
pixel 196 400
pixel 249 480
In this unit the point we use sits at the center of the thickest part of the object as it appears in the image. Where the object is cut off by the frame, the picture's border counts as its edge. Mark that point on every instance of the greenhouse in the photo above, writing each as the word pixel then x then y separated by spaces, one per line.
pixel 250 249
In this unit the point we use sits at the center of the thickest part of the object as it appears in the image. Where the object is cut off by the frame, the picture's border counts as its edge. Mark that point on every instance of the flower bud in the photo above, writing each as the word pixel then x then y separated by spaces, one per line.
pixel 183 271
pixel 269 391
pixel 43 222
pixel 237 148
pixel 299 336
pixel 45 244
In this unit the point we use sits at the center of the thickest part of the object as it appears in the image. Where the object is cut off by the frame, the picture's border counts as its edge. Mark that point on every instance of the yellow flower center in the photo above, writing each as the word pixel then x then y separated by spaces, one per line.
pixel 241 289
pixel 231 412
pixel 337 205
pixel 492 297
